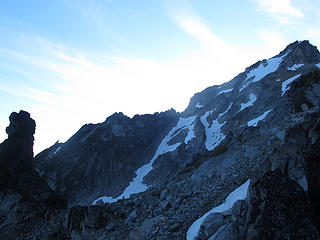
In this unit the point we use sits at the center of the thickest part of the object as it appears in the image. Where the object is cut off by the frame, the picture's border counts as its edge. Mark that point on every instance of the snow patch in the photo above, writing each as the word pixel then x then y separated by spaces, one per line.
pixel 252 99
pixel 318 65
pixel 263 70
pixel 57 150
pixel 254 122
pixel 225 91
pixel 198 105
pixel 295 67
pixel 287 82
pixel 239 193
pixel 214 134
pixel 136 185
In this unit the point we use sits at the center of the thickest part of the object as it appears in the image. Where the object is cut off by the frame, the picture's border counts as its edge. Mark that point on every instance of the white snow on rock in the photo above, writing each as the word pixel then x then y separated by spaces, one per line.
pixel 285 84
pixel 255 121
pixel 214 134
pixel 57 150
pixel 198 105
pixel 225 91
pixel 263 70
pixel 239 193
pixel 136 185
pixel 295 67
pixel 252 99
pixel 318 65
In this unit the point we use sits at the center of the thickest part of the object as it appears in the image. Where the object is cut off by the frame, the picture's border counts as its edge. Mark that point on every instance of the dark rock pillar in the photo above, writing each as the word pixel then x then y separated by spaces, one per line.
pixel 17 151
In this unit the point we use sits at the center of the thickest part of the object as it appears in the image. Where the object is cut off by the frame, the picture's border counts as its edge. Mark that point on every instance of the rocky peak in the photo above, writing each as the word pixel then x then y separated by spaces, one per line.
pixel 301 52
pixel 17 150
pixel 21 125
pixel 117 117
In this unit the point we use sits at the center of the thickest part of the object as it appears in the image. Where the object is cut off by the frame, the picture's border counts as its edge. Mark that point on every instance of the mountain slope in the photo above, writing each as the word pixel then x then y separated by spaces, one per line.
pixel 102 158
pixel 186 164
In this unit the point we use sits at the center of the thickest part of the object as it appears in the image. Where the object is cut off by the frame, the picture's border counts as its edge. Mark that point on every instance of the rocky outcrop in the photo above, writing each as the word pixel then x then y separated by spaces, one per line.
pixel 24 195
pixel 16 152
pixel 279 209
pixel 16 155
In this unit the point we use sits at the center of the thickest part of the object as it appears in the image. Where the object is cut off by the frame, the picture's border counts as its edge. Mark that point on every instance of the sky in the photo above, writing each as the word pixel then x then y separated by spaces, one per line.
pixel 72 62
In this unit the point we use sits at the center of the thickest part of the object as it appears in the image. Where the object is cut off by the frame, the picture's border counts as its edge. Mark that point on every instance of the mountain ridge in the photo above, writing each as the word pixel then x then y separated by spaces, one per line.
pixel 260 127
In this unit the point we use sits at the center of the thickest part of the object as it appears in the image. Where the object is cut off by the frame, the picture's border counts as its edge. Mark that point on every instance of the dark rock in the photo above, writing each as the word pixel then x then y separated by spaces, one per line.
pixel 75 218
pixel 312 166
pixel 226 232
pixel 17 150
pixel 279 209
pixel 16 154
pixel 212 223
pixel 175 227
pixel 96 217
pixel 80 218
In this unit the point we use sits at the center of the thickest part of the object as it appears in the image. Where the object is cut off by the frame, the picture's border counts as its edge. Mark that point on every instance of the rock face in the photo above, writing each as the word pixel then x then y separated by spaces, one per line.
pixel 16 155
pixel 263 125
pixel 23 194
pixel 17 151
pixel 102 159
pixel 279 209
pixel 312 164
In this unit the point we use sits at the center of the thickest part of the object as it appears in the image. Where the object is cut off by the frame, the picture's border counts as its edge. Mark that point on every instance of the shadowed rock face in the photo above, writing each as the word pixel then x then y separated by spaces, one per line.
pixel 312 164
pixel 16 155
pixel 17 151
pixel 101 159
pixel 279 209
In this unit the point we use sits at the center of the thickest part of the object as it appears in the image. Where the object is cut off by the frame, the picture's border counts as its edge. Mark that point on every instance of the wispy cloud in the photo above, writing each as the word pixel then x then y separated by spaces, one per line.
pixel 282 10
pixel 85 90
pixel 273 39
pixel 82 88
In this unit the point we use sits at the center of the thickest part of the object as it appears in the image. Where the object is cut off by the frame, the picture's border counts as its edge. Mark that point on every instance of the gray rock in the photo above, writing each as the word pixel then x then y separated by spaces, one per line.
pixel 226 232
pixel 279 209
pixel 133 216
pixel 212 223
pixel 175 227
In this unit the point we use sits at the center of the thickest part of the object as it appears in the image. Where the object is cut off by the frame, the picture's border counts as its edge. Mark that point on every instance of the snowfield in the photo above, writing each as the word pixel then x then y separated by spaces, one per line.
pixel 263 70
pixel 239 193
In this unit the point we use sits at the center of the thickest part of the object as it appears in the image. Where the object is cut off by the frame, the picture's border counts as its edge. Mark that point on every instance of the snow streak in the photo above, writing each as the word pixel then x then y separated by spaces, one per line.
pixel 137 185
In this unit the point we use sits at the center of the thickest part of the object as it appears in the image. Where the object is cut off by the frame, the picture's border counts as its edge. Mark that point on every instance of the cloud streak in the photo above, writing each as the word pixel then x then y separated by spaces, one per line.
pixel 282 10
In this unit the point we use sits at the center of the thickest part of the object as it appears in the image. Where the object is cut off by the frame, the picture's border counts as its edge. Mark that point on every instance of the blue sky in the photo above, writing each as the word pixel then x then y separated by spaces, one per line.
pixel 71 62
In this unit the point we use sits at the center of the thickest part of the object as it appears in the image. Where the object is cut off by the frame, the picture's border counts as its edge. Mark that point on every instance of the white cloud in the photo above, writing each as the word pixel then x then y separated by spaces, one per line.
pixel 282 10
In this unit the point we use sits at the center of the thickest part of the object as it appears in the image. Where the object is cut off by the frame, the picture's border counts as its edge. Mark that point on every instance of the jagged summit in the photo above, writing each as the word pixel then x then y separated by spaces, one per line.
pixel 295 57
